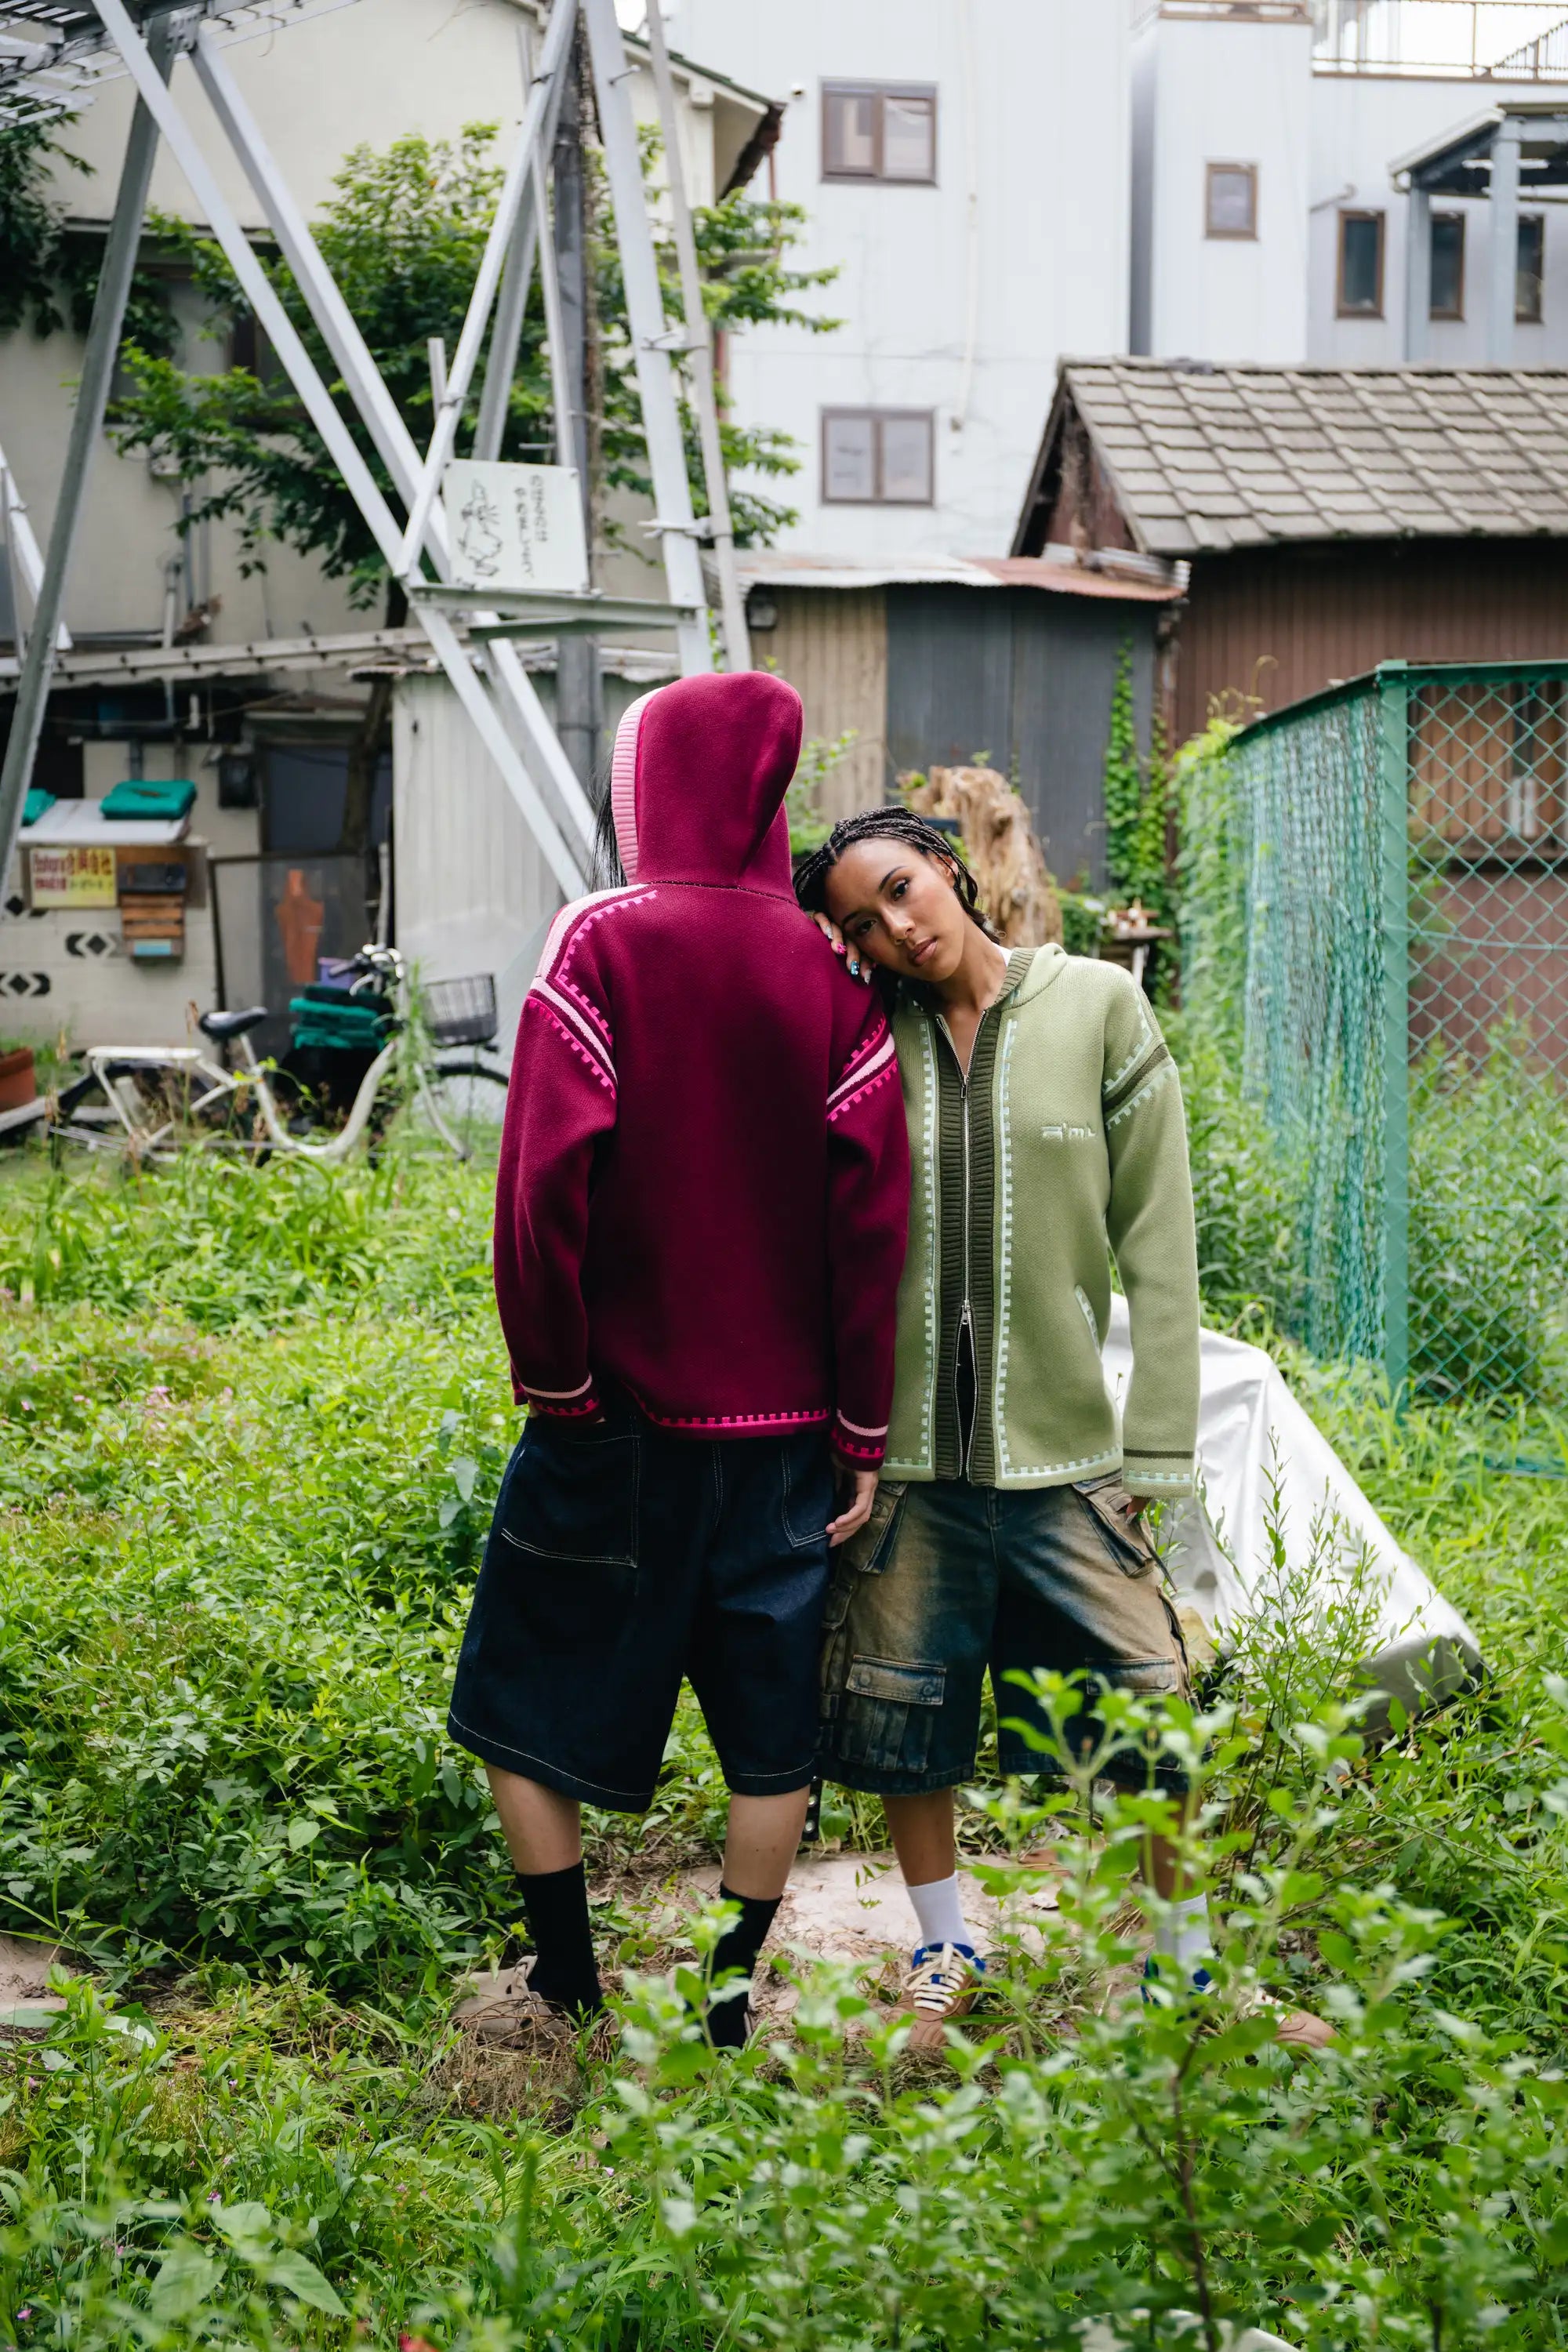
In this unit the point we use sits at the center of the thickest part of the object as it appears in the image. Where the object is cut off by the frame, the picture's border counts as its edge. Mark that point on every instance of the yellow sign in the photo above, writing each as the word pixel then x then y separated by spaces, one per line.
pixel 73 878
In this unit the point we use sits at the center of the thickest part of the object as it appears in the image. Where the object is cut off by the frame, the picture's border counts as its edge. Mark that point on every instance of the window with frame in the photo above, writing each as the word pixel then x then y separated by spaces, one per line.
pixel 1361 266
pixel 1527 301
pixel 1230 200
pixel 878 456
pixel 1447 265
pixel 879 130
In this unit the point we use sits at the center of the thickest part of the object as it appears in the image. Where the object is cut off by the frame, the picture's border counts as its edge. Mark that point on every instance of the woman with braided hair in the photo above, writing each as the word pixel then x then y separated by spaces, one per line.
pixel 1010 1528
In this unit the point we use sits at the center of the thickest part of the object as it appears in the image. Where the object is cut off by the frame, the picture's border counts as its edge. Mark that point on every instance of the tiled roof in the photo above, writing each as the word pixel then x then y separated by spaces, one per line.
pixel 1215 457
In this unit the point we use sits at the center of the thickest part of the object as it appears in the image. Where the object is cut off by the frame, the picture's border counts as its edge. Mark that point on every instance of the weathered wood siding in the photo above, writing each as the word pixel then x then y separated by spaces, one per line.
pixel 1281 623
pixel 832 645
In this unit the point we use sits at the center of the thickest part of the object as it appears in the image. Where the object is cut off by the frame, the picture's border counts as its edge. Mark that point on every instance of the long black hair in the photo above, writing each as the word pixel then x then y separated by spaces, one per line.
pixel 900 824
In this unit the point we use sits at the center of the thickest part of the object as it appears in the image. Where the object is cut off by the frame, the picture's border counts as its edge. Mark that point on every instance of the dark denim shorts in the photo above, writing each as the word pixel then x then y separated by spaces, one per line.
pixel 948 1579
pixel 621 1559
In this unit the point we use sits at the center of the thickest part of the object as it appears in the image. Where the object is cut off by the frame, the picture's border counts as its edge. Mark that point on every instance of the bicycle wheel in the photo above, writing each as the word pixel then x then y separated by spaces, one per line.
pixel 470 1098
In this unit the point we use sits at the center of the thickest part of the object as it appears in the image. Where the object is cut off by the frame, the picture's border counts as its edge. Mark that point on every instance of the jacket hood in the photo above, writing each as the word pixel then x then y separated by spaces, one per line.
pixel 698 781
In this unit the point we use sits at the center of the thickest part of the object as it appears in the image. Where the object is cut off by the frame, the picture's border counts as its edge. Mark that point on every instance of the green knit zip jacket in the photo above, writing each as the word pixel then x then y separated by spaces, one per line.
pixel 1067 1144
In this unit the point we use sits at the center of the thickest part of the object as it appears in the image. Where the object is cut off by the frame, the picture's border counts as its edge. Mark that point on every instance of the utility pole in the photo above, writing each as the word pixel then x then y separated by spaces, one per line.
pixel 579 693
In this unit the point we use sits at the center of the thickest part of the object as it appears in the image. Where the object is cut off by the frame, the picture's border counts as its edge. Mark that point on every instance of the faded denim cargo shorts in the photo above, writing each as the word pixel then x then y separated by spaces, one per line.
pixel 948 1579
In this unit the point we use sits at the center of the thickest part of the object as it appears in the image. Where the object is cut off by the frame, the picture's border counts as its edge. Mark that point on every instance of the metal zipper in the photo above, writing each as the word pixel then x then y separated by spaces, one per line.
pixel 966 1318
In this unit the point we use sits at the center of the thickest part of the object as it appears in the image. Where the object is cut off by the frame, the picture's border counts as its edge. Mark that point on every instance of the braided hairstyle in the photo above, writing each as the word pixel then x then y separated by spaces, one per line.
pixel 889 825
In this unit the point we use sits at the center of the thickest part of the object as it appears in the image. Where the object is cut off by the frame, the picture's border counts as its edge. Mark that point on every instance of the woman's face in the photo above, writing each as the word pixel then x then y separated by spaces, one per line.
pixel 898 908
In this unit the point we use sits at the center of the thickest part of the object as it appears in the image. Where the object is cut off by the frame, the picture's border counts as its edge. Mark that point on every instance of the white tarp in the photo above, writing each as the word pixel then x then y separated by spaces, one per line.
pixel 1257 1444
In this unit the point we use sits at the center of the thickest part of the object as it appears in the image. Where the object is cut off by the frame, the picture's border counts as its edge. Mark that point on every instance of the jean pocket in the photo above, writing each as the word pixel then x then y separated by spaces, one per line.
pixel 807 1489
pixel 1125 1537
pixel 572 1499
pixel 887 1715
pixel 871 1549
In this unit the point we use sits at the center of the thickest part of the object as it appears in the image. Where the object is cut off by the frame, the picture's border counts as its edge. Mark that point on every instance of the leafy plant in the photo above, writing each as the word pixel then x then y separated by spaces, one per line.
pixel 402 234
pixel 1137 800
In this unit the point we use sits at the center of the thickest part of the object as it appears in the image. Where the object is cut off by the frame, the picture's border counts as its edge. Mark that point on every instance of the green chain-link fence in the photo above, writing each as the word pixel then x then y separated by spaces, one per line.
pixel 1375 929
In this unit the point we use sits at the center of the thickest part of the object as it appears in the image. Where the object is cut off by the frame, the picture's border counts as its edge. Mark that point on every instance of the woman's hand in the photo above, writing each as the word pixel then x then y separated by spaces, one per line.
pixel 857 1493
pixel 854 963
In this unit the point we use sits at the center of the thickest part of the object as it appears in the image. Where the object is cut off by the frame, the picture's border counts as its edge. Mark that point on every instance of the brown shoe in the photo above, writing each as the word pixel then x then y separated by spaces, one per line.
pixel 944 1984
pixel 1298 2029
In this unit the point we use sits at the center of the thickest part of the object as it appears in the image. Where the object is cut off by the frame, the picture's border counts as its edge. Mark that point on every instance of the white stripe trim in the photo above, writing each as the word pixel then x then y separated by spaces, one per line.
pixel 854 1429
pixel 863 1070
pixel 569 1012
pixel 559 1396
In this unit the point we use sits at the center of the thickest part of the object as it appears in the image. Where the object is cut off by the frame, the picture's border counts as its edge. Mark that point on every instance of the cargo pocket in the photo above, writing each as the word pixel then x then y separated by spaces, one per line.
pixel 1127 1541
pixel 870 1550
pixel 568 1522
pixel 887 1715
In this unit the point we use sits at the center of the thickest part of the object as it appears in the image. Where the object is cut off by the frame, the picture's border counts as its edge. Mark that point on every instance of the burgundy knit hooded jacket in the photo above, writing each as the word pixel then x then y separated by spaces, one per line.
pixel 704 1175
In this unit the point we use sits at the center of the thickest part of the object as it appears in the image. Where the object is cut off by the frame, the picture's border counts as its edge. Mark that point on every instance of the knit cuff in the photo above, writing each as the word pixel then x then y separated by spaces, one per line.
pixel 861 1449
pixel 1158 1478
pixel 578 1404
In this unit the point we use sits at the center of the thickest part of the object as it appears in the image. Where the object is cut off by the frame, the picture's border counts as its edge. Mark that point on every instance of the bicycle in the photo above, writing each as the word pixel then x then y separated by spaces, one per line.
pixel 156 1101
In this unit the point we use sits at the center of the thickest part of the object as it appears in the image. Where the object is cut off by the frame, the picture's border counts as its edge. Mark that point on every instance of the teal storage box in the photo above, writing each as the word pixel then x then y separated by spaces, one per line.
pixel 38 804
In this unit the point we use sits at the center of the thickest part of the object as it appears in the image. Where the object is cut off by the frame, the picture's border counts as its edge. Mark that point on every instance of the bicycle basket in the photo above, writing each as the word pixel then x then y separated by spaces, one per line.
pixel 461 1012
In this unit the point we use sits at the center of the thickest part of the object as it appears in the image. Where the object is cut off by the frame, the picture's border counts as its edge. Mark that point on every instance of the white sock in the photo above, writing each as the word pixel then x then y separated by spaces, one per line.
pixel 1182 1935
pixel 940 1913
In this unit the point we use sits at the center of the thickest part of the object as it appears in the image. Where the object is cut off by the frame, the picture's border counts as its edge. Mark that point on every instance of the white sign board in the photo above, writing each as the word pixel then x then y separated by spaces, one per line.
pixel 515 527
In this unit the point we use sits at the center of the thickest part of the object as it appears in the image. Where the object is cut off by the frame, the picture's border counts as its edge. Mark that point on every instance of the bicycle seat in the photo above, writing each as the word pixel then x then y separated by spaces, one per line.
pixel 224 1026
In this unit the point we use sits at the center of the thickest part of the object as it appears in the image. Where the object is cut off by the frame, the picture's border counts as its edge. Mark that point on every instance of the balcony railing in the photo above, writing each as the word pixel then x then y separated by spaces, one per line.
pixel 1459 40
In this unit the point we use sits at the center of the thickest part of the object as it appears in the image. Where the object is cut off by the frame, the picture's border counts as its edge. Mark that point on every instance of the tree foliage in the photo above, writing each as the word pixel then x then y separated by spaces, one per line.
pixel 48 271
pixel 402 234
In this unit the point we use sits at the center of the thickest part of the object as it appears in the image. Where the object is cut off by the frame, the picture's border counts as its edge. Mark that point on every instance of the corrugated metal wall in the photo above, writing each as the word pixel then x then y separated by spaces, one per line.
pixel 1281 623
pixel 1026 678
pixel 472 890
pixel 832 645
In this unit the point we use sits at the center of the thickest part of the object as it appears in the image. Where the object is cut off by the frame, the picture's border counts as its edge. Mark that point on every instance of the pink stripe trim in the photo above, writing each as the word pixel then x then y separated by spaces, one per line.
pixel 624 783
pixel 858 1078
pixel 543 988
pixel 845 1422
pixel 816 1417
pixel 561 1396
pixel 575 910
pixel 594 1062
pixel 869 1087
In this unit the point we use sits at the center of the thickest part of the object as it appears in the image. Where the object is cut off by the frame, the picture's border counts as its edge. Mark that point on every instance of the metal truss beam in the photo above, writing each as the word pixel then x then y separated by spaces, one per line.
pixel 86 432
pixel 382 420
pixel 339 442
pixel 650 331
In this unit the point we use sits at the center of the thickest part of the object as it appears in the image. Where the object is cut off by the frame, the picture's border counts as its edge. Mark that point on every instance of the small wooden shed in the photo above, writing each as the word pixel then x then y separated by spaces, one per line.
pixel 945 660
pixel 1332 518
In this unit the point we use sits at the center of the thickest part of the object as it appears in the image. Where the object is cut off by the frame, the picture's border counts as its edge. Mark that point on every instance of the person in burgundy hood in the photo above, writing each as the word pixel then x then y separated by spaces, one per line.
pixel 700 1222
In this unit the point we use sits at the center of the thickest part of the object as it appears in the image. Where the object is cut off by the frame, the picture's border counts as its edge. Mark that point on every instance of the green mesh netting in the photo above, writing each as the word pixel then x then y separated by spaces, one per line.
pixel 1376 882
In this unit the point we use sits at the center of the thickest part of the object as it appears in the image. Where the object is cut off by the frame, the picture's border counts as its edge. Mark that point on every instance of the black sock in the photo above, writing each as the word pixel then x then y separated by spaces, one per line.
pixel 737 1948
pixel 564 1973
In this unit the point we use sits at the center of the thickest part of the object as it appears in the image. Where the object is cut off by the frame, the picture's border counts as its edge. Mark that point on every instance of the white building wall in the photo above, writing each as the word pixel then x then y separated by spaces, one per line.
pixel 1223 92
pixel 1361 123
pixel 958 297
pixel 362 75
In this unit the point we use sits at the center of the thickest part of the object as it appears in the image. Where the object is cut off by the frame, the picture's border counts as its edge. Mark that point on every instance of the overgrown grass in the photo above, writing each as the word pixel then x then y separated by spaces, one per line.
pixel 251 1422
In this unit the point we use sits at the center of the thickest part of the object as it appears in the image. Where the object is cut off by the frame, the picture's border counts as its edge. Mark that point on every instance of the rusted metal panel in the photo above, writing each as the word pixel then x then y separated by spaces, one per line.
pixel 1026 680
pixel 1282 623
pixel 832 645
